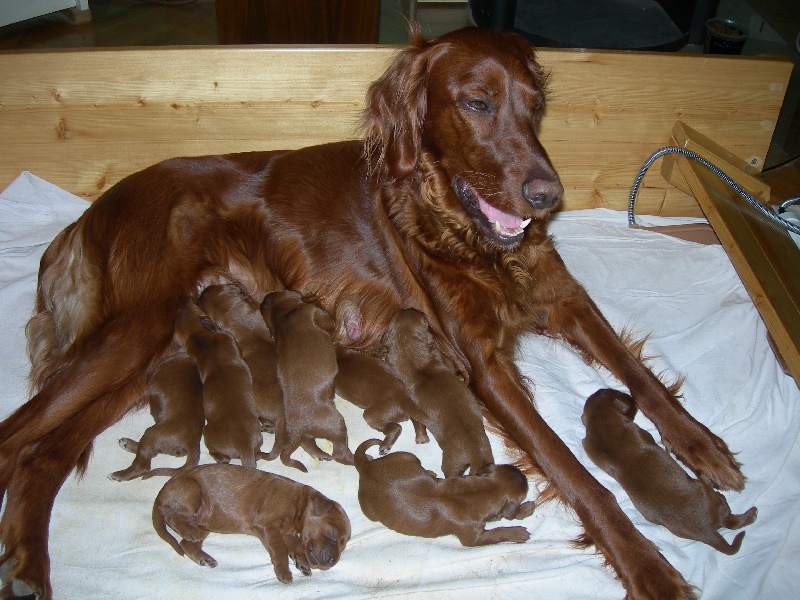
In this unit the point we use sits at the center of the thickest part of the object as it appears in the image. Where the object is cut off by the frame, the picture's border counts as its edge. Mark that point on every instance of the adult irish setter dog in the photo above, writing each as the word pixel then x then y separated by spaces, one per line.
pixel 441 208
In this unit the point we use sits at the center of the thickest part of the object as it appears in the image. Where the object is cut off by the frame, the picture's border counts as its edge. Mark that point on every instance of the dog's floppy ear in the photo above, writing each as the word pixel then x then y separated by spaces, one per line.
pixel 395 111
pixel 319 505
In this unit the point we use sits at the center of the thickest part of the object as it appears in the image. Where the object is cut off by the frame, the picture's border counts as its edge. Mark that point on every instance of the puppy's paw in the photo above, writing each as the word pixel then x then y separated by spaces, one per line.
pixel 517 534
pixel 128 444
pixel 207 561
pixel 302 567
pixel 525 510
pixel 284 575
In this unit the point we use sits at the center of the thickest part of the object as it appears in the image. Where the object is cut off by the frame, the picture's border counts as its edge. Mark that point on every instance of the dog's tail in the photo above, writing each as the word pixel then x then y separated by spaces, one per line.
pixel 360 458
pixel 161 529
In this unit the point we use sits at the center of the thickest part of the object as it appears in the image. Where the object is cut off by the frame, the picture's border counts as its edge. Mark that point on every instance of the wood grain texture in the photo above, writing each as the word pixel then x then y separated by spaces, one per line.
pixel 83 119
pixel 765 257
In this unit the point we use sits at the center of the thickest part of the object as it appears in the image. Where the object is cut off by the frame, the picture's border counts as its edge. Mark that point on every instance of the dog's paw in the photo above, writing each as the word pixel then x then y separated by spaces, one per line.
pixel 17 585
pixel 710 459
pixel 517 534
pixel 658 582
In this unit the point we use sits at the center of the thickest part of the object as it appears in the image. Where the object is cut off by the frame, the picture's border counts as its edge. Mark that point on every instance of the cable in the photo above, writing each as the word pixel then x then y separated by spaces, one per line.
pixel 772 216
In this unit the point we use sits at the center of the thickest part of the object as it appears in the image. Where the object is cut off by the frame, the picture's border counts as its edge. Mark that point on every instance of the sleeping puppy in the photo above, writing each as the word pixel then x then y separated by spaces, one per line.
pixel 656 484
pixel 176 402
pixel 371 384
pixel 399 492
pixel 306 367
pixel 236 312
pixel 454 416
pixel 232 427
pixel 289 518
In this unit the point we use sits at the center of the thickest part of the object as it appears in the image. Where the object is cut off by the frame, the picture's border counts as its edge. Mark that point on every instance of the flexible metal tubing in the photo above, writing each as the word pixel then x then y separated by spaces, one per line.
pixel 719 173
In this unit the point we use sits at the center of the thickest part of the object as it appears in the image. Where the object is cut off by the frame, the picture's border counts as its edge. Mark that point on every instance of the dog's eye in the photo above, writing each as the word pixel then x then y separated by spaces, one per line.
pixel 477 105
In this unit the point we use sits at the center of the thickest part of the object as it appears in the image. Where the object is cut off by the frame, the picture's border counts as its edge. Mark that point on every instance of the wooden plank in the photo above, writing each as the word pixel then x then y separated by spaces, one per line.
pixel 741 172
pixel 105 112
pixel 765 257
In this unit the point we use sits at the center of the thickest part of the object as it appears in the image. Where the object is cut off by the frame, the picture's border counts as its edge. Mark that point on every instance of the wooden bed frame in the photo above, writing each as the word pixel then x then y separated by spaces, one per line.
pixel 83 119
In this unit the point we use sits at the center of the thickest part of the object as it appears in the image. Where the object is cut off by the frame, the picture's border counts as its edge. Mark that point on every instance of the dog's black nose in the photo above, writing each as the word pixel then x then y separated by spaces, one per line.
pixel 542 193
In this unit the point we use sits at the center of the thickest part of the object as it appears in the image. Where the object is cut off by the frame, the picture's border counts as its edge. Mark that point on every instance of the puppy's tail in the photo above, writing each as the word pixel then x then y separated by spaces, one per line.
pixel 360 458
pixel 161 529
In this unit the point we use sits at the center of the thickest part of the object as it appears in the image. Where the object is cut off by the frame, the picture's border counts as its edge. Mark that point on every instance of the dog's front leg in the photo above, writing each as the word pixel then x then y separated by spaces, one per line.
pixel 580 323
pixel 644 572
pixel 272 540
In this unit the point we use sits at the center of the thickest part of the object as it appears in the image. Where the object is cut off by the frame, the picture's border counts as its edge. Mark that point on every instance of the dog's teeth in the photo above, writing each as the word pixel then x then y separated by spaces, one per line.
pixel 525 223
pixel 497 226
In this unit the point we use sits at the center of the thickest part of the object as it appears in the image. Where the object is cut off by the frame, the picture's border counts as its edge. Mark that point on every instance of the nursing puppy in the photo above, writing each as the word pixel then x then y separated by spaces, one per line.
pixel 454 416
pixel 236 312
pixel 232 427
pixel 306 367
pixel 656 484
pixel 289 518
pixel 399 492
pixel 176 402
pixel 371 384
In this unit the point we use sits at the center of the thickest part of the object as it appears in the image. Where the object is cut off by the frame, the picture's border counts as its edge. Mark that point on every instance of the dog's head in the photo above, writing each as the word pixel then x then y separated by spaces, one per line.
pixel 463 111
pixel 325 532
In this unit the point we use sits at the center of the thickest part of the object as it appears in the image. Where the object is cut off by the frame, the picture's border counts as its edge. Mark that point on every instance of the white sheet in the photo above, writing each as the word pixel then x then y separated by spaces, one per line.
pixel 701 323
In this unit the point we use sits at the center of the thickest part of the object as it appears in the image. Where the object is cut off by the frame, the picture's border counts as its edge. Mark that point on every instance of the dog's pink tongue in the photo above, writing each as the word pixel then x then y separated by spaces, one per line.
pixel 506 221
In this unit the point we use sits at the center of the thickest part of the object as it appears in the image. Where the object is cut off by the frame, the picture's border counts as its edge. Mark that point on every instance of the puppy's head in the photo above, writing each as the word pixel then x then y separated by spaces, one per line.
pixel 278 303
pixel 513 484
pixel 325 532
pixel 409 337
pixel 608 402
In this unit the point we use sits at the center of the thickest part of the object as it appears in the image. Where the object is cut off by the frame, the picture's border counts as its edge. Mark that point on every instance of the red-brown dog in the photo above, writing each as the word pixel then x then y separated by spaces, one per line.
pixel 656 484
pixel 289 518
pixel 236 312
pixel 176 403
pixel 232 427
pixel 454 416
pixel 399 492
pixel 371 384
pixel 306 370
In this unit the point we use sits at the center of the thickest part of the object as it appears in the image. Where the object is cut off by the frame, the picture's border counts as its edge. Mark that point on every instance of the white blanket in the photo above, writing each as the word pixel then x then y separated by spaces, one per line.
pixel 701 323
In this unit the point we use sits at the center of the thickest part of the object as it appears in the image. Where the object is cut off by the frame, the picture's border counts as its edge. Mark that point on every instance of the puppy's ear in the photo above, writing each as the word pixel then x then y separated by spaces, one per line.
pixel 319 505
pixel 625 405
pixel 206 322
pixel 323 319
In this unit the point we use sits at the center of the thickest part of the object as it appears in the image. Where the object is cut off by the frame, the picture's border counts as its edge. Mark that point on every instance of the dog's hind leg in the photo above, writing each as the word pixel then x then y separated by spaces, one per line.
pixel 105 360
pixel 41 469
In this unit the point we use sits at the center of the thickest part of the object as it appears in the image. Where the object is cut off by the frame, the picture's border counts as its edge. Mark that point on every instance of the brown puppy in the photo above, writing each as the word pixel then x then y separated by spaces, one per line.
pixel 289 518
pixel 397 491
pixel 232 429
pixel 454 416
pixel 656 484
pixel 306 370
pixel 371 384
pixel 176 402
pixel 235 311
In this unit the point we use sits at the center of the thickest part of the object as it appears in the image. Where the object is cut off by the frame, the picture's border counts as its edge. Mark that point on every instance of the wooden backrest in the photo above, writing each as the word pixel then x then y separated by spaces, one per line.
pixel 83 119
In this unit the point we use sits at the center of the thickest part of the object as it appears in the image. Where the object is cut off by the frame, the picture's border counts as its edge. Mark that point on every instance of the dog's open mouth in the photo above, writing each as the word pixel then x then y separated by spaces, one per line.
pixel 501 227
